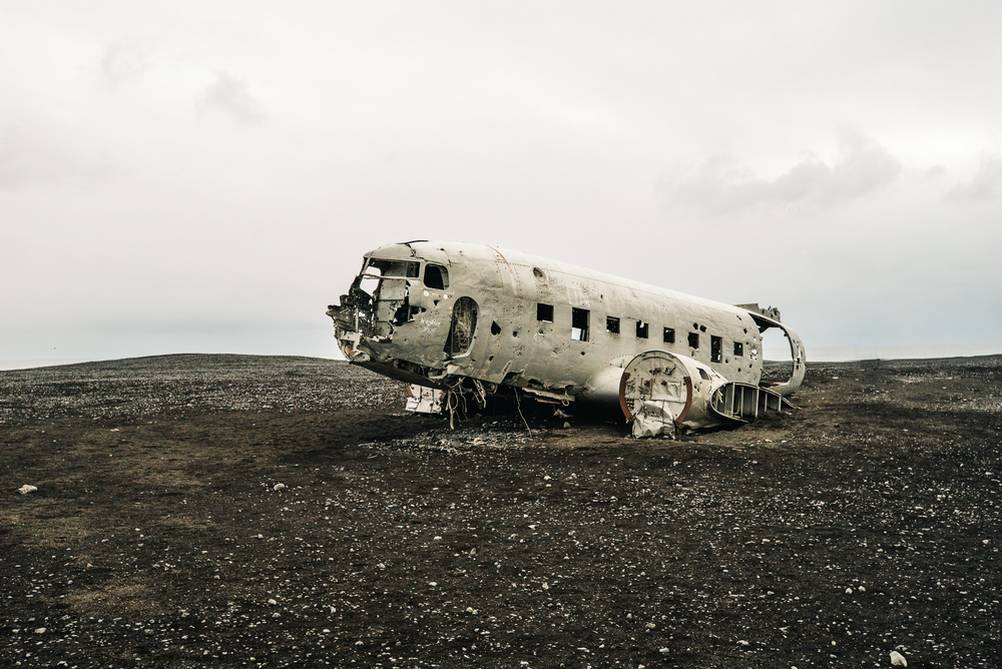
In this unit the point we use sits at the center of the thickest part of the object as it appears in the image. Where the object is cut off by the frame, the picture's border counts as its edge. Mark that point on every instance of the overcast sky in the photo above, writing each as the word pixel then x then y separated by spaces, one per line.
pixel 205 176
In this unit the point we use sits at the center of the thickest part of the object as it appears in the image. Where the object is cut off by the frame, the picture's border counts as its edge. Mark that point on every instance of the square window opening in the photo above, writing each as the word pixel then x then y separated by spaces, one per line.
pixel 739 348
pixel 694 340
pixel 716 348
pixel 579 324
pixel 544 312
pixel 612 324
pixel 669 335
pixel 642 329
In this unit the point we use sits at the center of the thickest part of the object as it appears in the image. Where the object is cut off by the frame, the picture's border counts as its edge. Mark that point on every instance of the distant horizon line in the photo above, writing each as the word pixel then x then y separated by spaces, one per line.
pixel 16 364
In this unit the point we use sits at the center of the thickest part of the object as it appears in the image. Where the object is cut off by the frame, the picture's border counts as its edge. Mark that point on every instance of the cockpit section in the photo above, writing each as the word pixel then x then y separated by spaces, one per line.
pixel 393 306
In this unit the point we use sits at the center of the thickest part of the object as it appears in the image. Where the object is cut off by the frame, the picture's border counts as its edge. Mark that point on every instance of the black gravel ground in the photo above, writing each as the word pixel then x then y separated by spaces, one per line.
pixel 238 511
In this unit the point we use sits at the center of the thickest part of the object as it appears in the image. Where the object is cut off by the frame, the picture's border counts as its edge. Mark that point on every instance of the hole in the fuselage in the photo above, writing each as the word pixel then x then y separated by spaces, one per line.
pixel 464 325
pixel 716 348
pixel 579 324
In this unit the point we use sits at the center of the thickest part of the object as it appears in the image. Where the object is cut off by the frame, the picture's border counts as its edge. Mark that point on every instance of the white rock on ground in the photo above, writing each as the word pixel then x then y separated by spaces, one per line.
pixel 278 486
pixel 27 488
pixel 897 659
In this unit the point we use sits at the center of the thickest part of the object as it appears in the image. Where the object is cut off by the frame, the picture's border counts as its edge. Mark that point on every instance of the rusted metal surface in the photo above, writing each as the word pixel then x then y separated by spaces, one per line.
pixel 473 321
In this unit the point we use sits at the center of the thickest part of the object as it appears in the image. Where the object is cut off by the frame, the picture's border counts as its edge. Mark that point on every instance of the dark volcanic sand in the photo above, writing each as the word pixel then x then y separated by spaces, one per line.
pixel 865 522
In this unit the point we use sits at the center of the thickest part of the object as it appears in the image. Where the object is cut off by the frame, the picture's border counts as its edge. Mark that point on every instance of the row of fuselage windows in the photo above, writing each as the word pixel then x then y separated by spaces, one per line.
pixel 581 330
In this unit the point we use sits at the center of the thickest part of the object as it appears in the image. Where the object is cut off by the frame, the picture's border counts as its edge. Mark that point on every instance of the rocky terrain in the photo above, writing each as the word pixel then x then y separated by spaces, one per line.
pixel 236 511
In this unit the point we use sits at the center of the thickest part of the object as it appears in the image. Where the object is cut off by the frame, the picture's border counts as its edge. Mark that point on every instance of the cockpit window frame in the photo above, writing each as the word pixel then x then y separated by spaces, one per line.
pixel 387 268
pixel 443 274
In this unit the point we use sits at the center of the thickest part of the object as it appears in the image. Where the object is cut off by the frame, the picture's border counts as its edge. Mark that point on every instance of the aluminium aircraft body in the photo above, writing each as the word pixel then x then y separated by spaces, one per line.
pixel 462 320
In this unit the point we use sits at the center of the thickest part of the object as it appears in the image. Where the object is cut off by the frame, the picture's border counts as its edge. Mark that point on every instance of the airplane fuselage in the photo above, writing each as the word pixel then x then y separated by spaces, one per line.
pixel 436 312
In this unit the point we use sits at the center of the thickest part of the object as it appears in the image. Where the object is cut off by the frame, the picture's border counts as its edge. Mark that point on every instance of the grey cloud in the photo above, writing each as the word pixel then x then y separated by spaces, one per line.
pixel 721 184
pixel 122 63
pixel 986 183
pixel 230 95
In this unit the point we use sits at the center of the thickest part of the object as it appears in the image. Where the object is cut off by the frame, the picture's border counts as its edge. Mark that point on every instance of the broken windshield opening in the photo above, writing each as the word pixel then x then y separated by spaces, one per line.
pixel 403 268
pixel 376 269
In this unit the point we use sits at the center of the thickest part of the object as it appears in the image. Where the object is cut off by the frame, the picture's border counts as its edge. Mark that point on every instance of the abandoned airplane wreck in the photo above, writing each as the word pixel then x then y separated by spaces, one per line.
pixel 464 322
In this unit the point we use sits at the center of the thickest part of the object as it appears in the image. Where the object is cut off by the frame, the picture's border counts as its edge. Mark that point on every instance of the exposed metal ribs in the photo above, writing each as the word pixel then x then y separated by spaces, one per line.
pixel 743 402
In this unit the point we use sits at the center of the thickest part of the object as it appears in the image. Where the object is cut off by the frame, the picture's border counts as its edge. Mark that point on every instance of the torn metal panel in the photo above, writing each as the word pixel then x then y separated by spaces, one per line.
pixel 422 399
pixel 465 318
pixel 653 419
